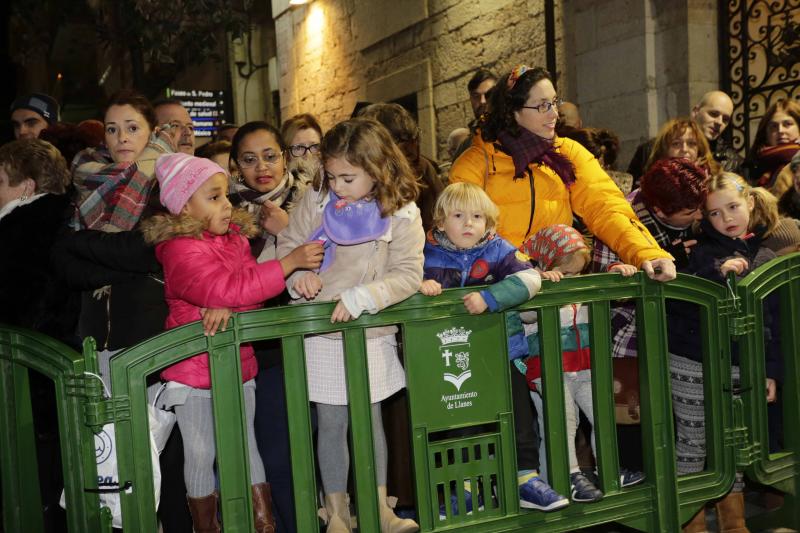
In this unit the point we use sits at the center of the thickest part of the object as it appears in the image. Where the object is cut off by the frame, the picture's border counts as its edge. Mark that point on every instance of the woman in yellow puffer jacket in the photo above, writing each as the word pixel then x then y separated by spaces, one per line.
pixel 538 180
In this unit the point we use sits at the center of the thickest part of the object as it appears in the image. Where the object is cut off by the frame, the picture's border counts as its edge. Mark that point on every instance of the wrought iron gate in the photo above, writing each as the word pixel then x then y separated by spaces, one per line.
pixel 759 48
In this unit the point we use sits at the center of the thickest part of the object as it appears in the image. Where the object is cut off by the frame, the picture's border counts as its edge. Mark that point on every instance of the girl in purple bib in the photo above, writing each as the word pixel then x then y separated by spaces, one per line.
pixel 364 213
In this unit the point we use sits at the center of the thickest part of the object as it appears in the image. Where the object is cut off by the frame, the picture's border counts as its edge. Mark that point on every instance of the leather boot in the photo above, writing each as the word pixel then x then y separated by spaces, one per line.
pixel 337 507
pixel 390 522
pixel 204 513
pixel 697 524
pixel 262 508
pixel 730 513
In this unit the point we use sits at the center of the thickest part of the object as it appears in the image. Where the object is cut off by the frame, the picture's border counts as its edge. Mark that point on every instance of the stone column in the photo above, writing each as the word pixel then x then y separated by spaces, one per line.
pixel 637 63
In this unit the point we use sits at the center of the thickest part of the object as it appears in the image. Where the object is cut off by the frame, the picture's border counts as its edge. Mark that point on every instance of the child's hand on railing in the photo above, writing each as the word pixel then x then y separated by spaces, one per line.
pixel 308 285
pixel 772 391
pixel 736 265
pixel 430 287
pixel 624 269
pixel 552 275
pixel 475 303
pixel 213 319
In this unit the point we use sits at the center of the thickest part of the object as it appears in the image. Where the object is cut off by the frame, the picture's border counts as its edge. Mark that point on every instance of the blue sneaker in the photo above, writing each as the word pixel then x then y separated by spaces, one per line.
pixel 536 494
pixel 454 503
pixel 629 478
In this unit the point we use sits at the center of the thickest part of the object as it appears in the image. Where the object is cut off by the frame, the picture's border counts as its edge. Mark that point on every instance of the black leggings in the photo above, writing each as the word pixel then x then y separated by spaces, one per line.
pixel 525 424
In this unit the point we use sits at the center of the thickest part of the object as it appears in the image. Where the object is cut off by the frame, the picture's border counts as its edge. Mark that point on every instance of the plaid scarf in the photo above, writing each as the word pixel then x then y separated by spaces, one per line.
pixel 111 196
pixel 771 159
pixel 527 148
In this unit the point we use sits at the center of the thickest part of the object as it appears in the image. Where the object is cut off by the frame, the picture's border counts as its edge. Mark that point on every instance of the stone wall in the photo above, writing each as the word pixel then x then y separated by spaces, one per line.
pixel 629 64
pixel 637 63
pixel 327 61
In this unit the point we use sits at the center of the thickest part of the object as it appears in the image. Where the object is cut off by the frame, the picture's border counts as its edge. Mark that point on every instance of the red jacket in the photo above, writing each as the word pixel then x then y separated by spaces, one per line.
pixel 212 271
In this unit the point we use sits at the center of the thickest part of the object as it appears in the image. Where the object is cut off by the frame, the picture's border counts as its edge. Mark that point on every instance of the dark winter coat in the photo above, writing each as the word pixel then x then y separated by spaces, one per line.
pixel 131 308
pixel 32 297
pixel 708 255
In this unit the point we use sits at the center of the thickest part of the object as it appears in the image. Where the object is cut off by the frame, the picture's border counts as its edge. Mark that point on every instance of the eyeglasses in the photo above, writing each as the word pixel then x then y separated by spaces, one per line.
pixel 299 150
pixel 545 107
pixel 251 160
pixel 179 126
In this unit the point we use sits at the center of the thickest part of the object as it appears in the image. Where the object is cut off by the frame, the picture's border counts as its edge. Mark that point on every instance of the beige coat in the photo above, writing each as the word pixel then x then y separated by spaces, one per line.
pixel 369 276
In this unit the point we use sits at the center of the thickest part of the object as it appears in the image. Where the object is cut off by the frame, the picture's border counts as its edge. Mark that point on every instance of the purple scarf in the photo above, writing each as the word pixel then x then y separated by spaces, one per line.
pixel 346 224
pixel 527 148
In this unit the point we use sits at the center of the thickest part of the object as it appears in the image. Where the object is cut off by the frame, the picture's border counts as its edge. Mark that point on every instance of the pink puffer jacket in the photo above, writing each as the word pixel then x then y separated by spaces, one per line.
pixel 213 271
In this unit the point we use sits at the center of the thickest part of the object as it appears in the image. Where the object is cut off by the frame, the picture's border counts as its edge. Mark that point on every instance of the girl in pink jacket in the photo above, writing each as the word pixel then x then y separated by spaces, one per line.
pixel 208 272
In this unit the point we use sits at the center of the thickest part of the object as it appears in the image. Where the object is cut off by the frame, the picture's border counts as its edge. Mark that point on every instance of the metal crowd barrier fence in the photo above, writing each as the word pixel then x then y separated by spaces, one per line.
pixel 458 377
pixel 21 350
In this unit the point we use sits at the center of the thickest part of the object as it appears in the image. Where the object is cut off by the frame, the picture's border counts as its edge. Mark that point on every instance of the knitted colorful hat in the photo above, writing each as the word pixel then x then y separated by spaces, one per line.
pixel 551 243
pixel 785 234
pixel 180 175
pixel 40 103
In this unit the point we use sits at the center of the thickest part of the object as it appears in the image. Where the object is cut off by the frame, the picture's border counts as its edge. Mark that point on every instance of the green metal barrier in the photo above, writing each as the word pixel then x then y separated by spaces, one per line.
pixel 434 332
pixel 21 350
pixel 778 470
pixel 716 308
pixel 458 378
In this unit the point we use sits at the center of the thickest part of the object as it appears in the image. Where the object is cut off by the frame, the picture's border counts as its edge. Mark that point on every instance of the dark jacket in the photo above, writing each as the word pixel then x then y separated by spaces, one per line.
pixel 131 308
pixel 31 295
pixel 789 204
pixel 430 189
pixel 683 318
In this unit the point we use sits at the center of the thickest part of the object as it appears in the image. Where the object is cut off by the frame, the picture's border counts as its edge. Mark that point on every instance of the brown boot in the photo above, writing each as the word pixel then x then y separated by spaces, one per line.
pixel 262 508
pixel 204 513
pixel 730 513
pixel 697 524
pixel 390 522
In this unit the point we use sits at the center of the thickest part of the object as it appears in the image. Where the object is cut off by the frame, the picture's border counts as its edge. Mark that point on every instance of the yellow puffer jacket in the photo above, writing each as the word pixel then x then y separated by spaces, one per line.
pixel 593 197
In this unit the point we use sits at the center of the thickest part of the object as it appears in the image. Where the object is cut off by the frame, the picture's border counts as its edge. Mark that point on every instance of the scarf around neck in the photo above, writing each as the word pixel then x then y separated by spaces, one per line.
pixel 440 237
pixel 246 198
pixel 346 224
pixel 771 159
pixel 527 148
pixel 278 195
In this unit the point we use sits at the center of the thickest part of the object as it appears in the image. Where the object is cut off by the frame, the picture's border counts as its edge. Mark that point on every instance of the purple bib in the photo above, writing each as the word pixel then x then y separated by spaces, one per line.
pixel 347 224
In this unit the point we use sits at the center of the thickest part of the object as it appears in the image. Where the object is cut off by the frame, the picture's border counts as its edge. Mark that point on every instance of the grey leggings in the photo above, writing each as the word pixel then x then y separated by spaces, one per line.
pixel 196 420
pixel 577 397
pixel 332 451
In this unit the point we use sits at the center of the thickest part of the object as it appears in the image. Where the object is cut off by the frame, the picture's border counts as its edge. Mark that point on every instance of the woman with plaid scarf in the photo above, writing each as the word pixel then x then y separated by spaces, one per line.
pixel 122 300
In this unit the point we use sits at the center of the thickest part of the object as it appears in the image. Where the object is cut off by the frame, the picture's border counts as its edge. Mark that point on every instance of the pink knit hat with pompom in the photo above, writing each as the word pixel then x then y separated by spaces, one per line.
pixel 180 175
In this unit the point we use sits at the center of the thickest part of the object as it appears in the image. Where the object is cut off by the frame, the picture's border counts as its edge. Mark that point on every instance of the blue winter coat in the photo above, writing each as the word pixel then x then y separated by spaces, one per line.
pixel 492 263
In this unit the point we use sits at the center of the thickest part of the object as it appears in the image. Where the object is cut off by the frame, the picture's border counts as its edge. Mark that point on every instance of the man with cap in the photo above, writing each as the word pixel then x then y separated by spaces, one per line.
pixel 32 113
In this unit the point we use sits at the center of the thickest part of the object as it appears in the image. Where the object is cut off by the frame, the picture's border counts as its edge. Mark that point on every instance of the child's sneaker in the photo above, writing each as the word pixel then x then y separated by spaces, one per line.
pixel 584 490
pixel 454 503
pixel 629 478
pixel 536 494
